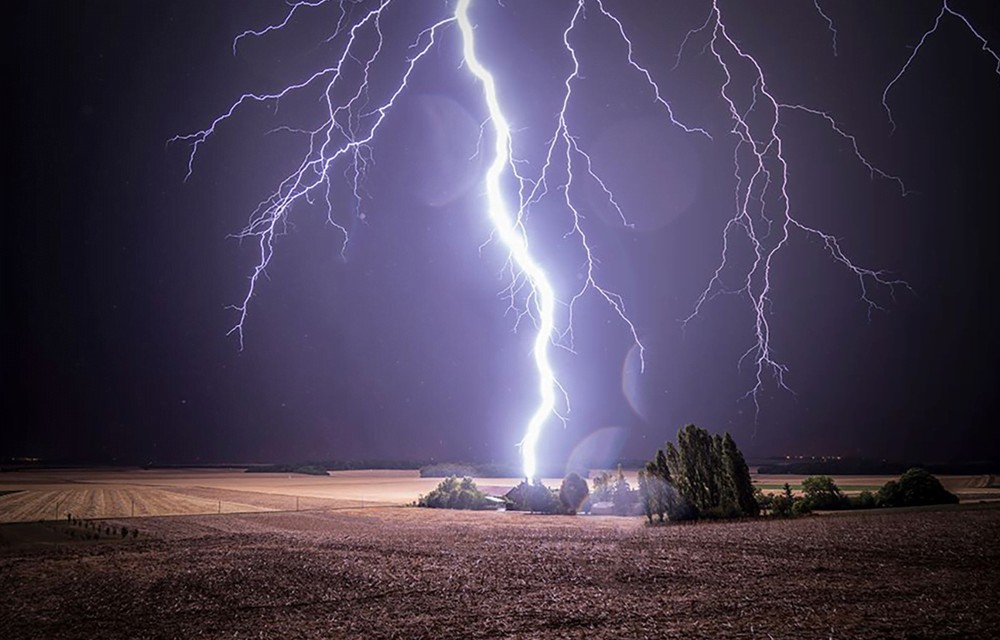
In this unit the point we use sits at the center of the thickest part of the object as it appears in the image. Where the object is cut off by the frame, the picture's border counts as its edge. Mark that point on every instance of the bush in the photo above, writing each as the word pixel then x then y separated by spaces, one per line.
pixel 916 487
pixel 821 492
pixel 800 507
pixel 573 492
pixel 864 500
pixel 453 493
pixel 783 503
pixel 541 499
pixel 764 501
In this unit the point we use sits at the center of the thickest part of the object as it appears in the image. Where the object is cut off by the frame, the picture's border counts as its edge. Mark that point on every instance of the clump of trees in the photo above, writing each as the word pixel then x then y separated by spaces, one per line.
pixel 453 493
pixel 541 499
pixel 532 496
pixel 822 493
pixel 572 496
pixel 782 504
pixel 701 476
pixel 613 488
pixel 818 492
pixel 916 487
pixel 535 497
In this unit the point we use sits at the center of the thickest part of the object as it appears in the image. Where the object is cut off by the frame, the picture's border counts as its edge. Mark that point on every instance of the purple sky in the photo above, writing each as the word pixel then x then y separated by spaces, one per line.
pixel 117 273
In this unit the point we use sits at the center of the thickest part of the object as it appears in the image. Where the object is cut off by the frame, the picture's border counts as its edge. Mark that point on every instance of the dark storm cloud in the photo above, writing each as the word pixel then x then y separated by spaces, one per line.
pixel 116 273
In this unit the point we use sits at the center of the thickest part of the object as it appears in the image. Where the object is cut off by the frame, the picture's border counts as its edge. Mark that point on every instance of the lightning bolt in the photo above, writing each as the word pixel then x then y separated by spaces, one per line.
pixel 511 233
pixel 345 134
pixel 762 212
pixel 761 195
pixel 564 151
pixel 339 147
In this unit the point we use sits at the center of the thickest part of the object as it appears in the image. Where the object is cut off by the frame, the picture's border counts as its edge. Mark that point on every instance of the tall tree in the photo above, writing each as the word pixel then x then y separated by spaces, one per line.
pixel 656 488
pixel 738 478
pixel 694 465
pixel 646 494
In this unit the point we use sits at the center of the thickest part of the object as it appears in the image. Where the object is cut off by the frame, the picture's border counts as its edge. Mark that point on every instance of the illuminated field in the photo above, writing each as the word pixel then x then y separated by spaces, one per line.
pixel 50 495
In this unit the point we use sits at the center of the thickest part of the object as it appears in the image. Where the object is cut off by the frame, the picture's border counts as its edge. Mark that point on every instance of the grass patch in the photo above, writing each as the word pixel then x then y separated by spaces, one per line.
pixel 3 493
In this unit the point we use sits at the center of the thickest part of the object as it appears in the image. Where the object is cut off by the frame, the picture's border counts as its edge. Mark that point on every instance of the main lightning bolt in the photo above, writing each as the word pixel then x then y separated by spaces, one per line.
pixel 512 235
pixel 355 109
pixel 565 150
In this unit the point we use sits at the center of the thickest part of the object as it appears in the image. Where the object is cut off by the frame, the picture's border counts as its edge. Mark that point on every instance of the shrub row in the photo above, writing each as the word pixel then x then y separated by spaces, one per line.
pixel 916 487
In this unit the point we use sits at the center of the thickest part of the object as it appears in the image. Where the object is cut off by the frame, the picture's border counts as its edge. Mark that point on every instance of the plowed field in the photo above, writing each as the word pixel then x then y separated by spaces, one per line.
pixel 415 573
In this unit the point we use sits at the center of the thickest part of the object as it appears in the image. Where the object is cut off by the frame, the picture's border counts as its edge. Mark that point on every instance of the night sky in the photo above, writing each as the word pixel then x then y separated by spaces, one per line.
pixel 117 273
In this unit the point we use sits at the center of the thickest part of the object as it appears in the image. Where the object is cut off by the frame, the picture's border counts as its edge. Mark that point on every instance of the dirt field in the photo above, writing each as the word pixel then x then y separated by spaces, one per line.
pixel 415 573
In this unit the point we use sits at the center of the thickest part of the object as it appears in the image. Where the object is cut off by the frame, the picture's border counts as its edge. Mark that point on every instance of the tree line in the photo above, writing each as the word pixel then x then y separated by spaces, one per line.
pixel 699 476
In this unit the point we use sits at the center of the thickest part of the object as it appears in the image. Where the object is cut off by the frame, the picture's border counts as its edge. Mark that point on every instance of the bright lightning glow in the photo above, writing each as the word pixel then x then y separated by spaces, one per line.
pixel 513 238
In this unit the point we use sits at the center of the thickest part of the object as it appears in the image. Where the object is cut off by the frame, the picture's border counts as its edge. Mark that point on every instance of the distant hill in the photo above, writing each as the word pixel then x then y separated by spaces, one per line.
pixel 470 470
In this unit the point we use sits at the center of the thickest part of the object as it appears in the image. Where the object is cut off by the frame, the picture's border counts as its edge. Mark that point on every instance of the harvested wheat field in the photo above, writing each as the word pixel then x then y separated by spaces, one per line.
pixel 86 493
pixel 416 573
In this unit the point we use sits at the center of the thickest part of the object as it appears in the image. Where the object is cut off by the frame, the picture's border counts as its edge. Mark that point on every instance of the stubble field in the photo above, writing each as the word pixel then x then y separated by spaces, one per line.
pixel 51 494
pixel 389 572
